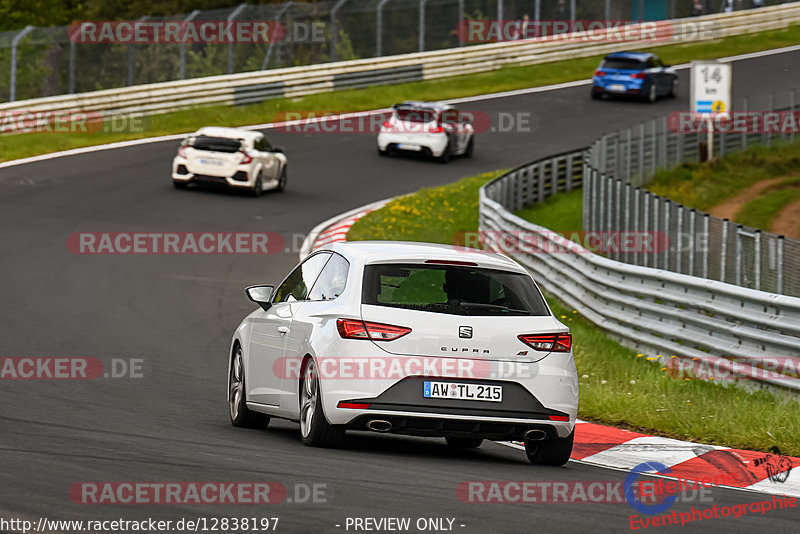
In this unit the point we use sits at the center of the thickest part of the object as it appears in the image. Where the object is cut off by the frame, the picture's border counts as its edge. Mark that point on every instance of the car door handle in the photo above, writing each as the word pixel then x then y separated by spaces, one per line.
pixel 283 329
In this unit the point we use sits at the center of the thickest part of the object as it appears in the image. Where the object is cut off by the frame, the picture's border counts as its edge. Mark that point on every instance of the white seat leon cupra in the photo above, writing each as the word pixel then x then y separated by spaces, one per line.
pixel 407 338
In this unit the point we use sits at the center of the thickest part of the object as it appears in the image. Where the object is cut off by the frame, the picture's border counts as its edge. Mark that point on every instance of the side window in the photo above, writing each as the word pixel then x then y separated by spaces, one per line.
pixel 332 280
pixel 298 283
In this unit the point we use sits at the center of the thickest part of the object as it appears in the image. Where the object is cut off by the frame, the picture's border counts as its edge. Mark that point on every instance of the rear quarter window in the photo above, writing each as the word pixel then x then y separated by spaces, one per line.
pixel 622 64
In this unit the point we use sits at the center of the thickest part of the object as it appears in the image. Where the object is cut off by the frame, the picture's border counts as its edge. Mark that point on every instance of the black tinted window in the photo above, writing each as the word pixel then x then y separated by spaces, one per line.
pixel 416 115
pixel 622 64
pixel 451 289
pixel 332 280
pixel 216 144
pixel 297 284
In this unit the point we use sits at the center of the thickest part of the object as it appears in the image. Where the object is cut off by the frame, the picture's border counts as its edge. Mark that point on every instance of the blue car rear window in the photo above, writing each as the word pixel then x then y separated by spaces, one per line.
pixel 621 63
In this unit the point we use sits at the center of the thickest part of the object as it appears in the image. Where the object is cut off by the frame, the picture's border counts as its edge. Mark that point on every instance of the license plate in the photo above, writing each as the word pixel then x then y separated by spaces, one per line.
pixel 460 391
pixel 616 88
pixel 210 161
pixel 406 146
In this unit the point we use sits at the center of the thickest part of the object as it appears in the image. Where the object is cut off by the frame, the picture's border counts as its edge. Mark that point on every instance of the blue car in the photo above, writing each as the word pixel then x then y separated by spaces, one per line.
pixel 638 74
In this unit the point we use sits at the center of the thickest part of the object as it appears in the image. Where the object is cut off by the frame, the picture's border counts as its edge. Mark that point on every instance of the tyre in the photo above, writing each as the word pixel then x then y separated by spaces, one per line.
pixel 445 157
pixel 470 147
pixel 315 429
pixel 282 179
pixel 180 185
pixel 258 187
pixel 464 443
pixel 240 414
pixel 597 95
pixel 673 90
pixel 382 152
pixel 652 93
pixel 550 452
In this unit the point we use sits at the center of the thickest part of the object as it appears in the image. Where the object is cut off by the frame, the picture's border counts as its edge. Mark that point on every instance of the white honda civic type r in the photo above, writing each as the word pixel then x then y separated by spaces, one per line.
pixel 407 338
pixel 240 159
pixel 432 128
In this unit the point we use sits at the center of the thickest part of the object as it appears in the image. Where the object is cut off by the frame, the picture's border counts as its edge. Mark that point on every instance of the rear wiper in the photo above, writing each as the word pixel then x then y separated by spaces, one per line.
pixel 482 306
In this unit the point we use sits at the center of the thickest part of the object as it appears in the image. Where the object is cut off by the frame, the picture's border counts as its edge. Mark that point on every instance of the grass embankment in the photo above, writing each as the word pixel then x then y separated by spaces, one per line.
pixel 705 185
pixel 23 145
pixel 618 386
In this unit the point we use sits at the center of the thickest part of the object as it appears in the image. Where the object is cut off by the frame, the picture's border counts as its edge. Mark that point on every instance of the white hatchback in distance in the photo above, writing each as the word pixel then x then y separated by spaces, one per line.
pixel 240 159
pixel 407 338
pixel 431 128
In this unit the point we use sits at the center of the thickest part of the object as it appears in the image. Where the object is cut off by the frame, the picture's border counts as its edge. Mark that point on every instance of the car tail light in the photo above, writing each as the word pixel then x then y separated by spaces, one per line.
pixel 246 159
pixel 599 72
pixel 436 129
pixel 555 417
pixel 547 342
pixel 355 329
pixel 638 75
pixel 354 405
pixel 182 151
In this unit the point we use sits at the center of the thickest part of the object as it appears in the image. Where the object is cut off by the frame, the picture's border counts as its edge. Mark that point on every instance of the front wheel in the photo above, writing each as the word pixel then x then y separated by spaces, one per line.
pixel 652 94
pixel 446 153
pixel 550 452
pixel 673 90
pixel 315 429
pixel 470 147
pixel 180 185
pixel 258 187
pixel 282 179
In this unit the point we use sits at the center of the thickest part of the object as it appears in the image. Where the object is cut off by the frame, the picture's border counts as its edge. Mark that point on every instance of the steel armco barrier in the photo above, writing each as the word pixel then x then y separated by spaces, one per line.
pixel 654 311
pixel 617 166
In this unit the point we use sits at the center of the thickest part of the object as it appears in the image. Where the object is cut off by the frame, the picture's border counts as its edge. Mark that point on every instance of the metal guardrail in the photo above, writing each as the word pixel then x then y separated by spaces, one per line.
pixel 657 312
pixel 618 164
pixel 257 86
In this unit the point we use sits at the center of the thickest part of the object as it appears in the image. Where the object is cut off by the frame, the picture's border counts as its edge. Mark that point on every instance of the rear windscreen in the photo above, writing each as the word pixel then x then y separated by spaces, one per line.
pixel 455 290
pixel 622 64
pixel 216 144
pixel 416 115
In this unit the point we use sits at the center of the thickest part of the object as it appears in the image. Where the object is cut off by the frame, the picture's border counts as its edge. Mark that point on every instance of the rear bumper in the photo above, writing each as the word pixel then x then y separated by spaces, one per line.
pixel 432 144
pixel 243 178
pixel 616 87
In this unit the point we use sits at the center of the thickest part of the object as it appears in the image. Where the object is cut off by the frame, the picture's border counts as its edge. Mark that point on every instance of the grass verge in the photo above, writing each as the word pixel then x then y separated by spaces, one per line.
pixel 761 212
pixel 509 78
pixel 618 386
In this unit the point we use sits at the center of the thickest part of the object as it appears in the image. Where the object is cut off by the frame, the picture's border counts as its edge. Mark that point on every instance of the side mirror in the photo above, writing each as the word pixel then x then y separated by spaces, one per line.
pixel 261 295
pixel 277 149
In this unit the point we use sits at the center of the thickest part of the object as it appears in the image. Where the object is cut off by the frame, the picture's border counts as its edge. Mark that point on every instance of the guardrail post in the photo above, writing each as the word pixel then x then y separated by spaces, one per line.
pixel 422 24
pixel 379 26
pixel 334 31
pixel 780 265
pixel 757 260
pixel 537 14
pixel 656 224
pixel 744 130
pixel 640 165
pixel 189 18
pixel 231 18
pixel 277 19
pixel 724 250
pixel 618 212
pixel 570 165
pixel 667 204
pixel 14 46
pixel 646 220
pixel 738 257
pixel 706 223
pixel 571 11
pixel 500 11
pixel 629 150
pixel 542 180
pixel 608 11
pixel 131 57
pixel 679 241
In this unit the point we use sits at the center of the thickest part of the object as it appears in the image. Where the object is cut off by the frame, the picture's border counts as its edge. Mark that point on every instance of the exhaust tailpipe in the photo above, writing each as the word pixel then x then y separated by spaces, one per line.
pixel 535 435
pixel 379 425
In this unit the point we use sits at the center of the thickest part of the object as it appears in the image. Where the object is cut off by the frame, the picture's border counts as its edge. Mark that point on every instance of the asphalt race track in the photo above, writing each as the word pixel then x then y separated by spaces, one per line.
pixel 177 314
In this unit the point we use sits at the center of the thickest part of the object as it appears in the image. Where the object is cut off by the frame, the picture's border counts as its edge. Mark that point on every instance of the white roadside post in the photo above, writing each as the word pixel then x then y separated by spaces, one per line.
pixel 711 98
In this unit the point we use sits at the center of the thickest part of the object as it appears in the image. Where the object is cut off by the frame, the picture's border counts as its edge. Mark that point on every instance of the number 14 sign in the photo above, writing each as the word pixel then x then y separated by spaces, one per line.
pixel 711 87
